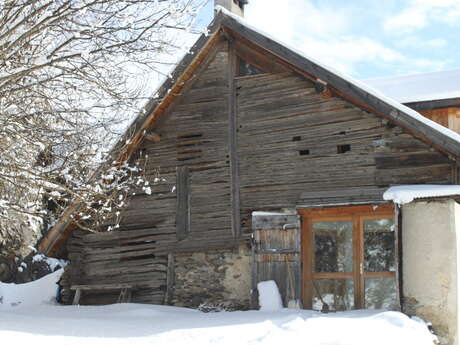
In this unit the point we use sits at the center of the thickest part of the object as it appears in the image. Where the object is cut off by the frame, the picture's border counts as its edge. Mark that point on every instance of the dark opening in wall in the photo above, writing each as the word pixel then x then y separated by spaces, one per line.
pixel 304 152
pixel 297 138
pixel 246 68
pixel 189 146
pixel 190 136
pixel 343 148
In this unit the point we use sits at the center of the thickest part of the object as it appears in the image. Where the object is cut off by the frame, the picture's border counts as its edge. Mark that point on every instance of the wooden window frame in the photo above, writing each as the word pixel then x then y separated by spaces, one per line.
pixel 357 215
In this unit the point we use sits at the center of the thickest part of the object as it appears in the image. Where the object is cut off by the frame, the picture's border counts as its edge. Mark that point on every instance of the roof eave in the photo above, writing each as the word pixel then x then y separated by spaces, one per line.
pixel 434 104
pixel 353 93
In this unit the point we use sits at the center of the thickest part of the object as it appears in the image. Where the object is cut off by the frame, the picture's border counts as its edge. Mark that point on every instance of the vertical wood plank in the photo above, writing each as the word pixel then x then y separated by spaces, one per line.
pixel 298 270
pixel 233 142
pixel 307 260
pixel 254 270
pixel 169 279
pixel 455 172
pixel 358 235
pixel 183 203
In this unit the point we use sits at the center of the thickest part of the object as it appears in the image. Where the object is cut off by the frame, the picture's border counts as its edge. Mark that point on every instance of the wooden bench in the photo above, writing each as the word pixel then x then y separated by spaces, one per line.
pixel 125 291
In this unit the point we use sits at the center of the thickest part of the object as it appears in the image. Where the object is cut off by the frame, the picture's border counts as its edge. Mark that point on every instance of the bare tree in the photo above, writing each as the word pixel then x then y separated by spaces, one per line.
pixel 72 72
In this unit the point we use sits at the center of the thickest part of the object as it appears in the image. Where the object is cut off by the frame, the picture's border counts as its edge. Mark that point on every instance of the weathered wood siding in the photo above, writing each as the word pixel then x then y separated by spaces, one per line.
pixel 277 255
pixel 113 258
pixel 195 135
pixel 293 146
pixel 289 141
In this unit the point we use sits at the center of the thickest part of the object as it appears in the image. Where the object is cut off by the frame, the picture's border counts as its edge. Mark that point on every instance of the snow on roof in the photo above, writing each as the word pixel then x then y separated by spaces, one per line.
pixel 420 87
pixel 357 83
pixel 407 193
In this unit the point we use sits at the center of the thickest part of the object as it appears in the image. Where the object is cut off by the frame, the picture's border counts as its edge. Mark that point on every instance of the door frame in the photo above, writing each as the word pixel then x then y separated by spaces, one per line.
pixel 356 214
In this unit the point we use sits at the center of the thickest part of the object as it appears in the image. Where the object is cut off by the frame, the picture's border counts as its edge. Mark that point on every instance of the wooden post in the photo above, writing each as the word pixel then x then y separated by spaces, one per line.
pixel 76 298
pixel 233 142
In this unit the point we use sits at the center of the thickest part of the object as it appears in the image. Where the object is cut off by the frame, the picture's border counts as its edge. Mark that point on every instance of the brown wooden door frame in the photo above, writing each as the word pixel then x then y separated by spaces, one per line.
pixel 357 215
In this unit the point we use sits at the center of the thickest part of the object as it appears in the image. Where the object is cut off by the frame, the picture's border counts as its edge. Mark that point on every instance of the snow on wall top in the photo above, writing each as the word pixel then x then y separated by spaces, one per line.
pixel 420 87
pixel 357 83
pixel 407 193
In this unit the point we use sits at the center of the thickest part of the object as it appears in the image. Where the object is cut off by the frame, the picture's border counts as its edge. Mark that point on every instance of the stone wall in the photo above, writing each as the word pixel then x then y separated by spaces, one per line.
pixel 430 240
pixel 213 278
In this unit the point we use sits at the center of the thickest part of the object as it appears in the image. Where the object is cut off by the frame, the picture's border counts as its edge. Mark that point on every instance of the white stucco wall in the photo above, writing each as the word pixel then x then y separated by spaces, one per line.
pixel 430 238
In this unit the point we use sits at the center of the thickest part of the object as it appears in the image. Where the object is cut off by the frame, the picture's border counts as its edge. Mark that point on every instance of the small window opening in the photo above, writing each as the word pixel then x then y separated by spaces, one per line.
pixel 189 136
pixel 297 138
pixel 246 68
pixel 304 152
pixel 343 148
pixel 342 133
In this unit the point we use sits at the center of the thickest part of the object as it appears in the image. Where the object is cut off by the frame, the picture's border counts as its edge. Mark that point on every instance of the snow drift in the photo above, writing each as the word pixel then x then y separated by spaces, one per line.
pixel 30 294
pixel 37 321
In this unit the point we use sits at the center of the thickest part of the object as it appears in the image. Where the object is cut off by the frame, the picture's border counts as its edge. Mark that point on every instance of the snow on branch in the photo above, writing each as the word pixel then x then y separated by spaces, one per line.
pixel 72 75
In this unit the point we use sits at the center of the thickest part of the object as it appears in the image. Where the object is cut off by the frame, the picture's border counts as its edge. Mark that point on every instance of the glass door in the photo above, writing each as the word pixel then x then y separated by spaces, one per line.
pixel 349 259
pixel 332 276
pixel 379 263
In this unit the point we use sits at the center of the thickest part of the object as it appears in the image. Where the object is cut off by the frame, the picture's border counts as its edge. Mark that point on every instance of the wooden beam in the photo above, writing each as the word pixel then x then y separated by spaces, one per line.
pixel 386 209
pixel 233 142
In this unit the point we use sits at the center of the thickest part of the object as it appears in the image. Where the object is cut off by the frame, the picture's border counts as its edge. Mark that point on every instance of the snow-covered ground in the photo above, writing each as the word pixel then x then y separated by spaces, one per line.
pixel 39 321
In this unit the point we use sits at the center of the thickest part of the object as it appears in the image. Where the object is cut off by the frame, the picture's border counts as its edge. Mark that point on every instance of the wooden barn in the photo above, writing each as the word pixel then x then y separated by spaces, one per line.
pixel 273 167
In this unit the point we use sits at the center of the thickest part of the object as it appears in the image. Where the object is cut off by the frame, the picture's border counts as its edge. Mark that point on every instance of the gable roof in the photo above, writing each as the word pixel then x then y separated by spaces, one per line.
pixel 434 89
pixel 234 27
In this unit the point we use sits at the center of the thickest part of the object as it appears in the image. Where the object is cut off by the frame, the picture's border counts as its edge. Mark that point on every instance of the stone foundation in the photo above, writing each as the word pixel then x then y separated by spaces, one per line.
pixel 213 278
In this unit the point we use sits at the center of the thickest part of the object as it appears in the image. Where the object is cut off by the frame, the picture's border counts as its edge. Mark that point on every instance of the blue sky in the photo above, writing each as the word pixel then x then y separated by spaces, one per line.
pixel 364 38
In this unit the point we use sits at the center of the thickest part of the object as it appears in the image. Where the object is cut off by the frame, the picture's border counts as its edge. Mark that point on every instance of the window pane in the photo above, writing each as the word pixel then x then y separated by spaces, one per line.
pixel 379 245
pixel 333 246
pixel 337 294
pixel 380 293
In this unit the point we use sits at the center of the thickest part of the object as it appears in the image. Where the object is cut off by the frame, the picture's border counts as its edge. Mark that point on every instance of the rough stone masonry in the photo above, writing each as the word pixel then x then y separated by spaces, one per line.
pixel 217 278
